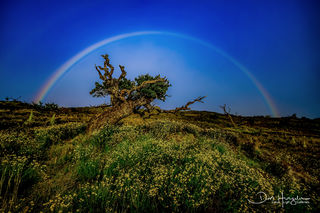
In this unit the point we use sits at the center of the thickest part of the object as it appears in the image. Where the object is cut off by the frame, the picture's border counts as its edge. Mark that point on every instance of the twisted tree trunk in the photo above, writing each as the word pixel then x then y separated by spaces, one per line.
pixel 114 114
pixel 125 95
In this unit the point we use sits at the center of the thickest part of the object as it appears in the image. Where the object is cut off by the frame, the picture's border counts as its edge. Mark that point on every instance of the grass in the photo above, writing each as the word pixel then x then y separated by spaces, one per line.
pixel 88 170
pixel 186 162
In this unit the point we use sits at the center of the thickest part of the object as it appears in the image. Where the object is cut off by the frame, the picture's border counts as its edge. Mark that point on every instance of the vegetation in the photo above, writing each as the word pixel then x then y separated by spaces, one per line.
pixel 178 162
pixel 126 96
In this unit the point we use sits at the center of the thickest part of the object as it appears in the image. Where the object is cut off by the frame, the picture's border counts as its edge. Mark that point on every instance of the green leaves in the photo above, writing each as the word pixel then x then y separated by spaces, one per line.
pixel 125 83
pixel 157 90
pixel 139 92
pixel 99 90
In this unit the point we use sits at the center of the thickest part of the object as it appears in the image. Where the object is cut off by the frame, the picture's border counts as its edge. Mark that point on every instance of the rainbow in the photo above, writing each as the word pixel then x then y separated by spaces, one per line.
pixel 68 64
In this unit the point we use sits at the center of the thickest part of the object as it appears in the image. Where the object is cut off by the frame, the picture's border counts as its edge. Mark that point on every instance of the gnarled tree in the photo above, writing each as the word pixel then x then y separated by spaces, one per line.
pixel 126 95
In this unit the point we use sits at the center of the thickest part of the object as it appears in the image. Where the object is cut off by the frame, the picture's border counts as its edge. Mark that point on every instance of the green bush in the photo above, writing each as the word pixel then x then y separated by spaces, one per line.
pixel 46 106
pixel 57 133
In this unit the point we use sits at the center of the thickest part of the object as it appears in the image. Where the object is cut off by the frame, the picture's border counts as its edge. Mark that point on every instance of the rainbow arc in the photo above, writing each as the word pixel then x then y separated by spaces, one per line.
pixel 68 64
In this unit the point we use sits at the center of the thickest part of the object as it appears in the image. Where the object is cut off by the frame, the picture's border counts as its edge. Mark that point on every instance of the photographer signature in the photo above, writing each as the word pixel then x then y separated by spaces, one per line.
pixel 263 197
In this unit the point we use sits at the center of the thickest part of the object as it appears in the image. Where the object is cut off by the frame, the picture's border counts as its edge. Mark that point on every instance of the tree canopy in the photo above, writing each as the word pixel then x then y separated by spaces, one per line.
pixel 122 89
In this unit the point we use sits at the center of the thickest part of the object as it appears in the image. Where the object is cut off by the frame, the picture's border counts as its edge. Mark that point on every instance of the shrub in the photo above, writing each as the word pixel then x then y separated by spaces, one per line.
pixel 51 106
pixel 55 134
pixel 46 106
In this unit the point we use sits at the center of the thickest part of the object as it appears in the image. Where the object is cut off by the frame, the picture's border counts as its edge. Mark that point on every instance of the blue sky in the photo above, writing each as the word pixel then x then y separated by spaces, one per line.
pixel 276 40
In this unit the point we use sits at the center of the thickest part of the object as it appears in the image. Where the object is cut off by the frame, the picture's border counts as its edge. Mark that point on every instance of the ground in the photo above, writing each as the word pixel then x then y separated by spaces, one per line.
pixel 192 161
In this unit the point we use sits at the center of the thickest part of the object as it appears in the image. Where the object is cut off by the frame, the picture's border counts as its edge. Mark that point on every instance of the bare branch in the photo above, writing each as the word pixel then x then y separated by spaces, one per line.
pixel 101 68
pixel 228 114
pixel 123 73
pixel 107 63
pixel 107 73
pixel 102 77
pixel 111 69
pixel 186 107
pixel 225 110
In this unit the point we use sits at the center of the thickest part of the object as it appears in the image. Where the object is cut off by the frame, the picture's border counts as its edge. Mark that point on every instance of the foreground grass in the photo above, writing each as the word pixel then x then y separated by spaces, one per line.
pixel 161 163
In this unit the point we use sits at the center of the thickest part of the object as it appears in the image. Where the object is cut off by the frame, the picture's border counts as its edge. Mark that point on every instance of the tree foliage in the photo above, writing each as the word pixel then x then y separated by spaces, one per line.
pixel 122 89
pixel 156 90
pixel 126 96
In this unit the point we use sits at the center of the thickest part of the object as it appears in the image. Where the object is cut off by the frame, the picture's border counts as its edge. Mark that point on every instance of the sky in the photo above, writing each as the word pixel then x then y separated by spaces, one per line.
pixel 277 42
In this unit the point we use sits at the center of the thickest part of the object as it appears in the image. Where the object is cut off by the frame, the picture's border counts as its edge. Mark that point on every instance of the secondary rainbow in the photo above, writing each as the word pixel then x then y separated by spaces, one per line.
pixel 68 64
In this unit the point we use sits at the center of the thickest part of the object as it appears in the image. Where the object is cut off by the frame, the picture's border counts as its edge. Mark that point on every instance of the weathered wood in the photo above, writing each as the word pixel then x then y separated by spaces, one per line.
pixel 114 114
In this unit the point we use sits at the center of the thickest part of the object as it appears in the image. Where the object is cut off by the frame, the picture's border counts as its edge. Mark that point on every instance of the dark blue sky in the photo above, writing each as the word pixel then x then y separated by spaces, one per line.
pixel 278 41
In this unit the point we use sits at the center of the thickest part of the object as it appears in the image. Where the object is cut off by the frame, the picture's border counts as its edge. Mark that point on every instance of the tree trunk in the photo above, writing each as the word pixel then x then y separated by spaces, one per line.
pixel 114 114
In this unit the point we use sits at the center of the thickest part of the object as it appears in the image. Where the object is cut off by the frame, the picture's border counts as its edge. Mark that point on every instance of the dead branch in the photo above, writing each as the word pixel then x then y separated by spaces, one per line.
pixel 102 77
pixel 123 73
pixel 107 64
pixel 107 74
pixel 111 69
pixel 186 107
pixel 228 114
pixel 225 110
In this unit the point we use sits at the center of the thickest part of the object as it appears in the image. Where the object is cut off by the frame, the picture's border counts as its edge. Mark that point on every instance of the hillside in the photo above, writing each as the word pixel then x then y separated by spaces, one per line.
pixel 192 161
